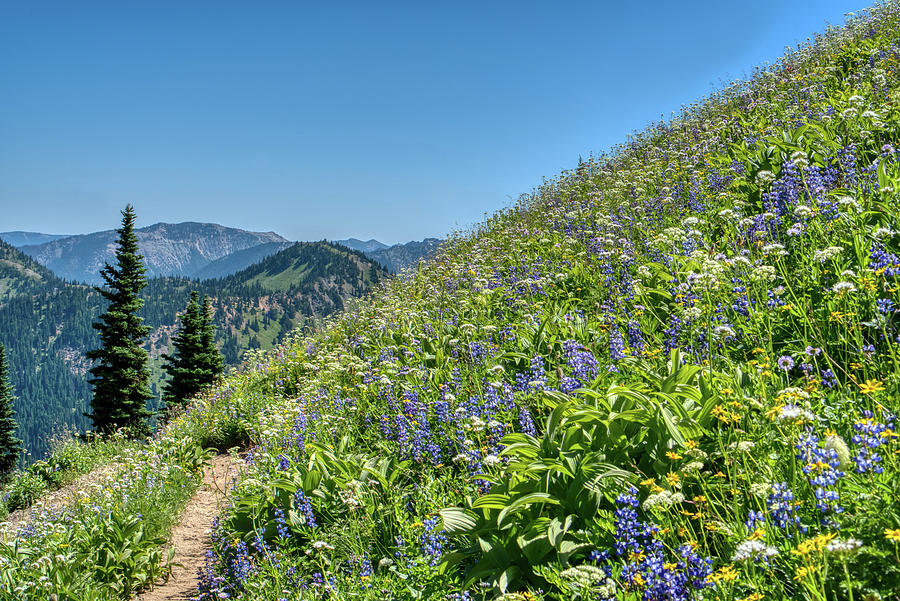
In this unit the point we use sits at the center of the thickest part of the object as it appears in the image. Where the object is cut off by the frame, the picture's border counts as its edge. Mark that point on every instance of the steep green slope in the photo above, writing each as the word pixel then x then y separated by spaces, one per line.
pixel 19 273
pixel 671 373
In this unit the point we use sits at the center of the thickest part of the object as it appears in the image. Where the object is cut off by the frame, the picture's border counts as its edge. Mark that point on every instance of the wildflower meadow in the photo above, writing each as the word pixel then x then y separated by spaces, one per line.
pixel 670 373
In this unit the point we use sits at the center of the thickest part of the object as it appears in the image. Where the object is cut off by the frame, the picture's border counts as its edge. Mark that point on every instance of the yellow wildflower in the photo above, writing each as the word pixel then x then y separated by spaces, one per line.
pixel 871 386
pixel 723 574
pixel 813 545
pixel 892 535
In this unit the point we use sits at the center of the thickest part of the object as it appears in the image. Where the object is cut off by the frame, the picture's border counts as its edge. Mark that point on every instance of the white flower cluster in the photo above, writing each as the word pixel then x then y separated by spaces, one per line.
pixel 804 211
pixel 799 159
pixel 848 203
pixel 882 232
pixel 794 414
pixel 584 575
pixel 662 500
pixel 842 547
pixel 721 332
pixel 763 273
pixel 765 177
pixel 775 250
pixel 753 549
pixel 742 446
pixel 831 252
pixel 843 288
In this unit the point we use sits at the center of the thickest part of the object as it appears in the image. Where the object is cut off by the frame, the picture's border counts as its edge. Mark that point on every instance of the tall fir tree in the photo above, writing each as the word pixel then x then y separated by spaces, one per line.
pixel 212 361
pixel 121 376
pixel 10 446
pixel 195 362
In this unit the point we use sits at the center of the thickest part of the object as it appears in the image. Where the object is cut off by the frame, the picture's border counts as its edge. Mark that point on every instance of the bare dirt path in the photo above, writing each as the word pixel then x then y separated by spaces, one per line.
pixel 190 537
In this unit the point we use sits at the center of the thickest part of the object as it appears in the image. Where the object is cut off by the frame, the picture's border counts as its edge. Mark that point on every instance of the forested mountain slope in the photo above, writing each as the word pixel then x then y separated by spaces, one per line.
pixel 47 328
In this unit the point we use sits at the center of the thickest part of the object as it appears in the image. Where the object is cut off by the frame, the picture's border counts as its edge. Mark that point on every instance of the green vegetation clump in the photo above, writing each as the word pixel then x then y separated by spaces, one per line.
pixel 71 457
pixel 107 542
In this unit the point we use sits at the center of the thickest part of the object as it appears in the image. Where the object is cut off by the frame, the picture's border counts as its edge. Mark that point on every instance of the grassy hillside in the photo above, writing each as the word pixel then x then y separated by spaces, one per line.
pixel 671 373
pixel 20 274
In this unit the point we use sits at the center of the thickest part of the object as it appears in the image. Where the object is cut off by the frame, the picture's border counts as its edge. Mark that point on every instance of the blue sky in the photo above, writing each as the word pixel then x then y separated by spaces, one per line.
pixel 328 120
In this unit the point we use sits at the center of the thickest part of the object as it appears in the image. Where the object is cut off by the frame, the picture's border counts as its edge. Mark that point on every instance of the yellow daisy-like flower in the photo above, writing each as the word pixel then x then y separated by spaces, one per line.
pixel 892 535
pixel 723 574
pixel 673 455
pixel 871 386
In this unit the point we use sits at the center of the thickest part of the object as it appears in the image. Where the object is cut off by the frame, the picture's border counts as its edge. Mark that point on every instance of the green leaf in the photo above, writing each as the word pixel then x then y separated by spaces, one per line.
pixel 491 501
pixel 458 520
pixel 508 577
pixel 524 502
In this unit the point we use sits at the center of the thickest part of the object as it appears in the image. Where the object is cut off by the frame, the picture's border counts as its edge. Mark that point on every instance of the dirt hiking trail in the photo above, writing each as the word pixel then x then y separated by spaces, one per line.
pixel 190 536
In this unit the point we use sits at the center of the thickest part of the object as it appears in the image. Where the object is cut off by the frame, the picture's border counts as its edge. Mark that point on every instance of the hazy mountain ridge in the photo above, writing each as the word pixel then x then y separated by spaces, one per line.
pixel 365 246
pixel 181 249
pixel 394 258
pixel 239 260
pixel 398 257
pixel 19 238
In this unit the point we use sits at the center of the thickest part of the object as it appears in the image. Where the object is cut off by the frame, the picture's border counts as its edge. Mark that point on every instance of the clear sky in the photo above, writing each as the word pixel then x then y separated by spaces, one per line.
pixel 336 119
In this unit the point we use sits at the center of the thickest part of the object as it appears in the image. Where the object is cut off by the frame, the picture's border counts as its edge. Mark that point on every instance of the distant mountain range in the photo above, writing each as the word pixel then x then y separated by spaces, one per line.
pixel 366 246
pixel 394 258
pixel 20 238
pixel 261 285
pixel 180 249
pixel 192 250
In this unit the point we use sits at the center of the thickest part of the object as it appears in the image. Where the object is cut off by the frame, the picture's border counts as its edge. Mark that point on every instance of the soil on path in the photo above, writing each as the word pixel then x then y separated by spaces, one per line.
pixel 190 537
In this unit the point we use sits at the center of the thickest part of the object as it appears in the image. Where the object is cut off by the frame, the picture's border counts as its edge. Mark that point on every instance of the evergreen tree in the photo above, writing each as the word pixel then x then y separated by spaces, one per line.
pixel 182 365
pixel 121 375
pixel 212 362
pixel 10 446
pixel 195 362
